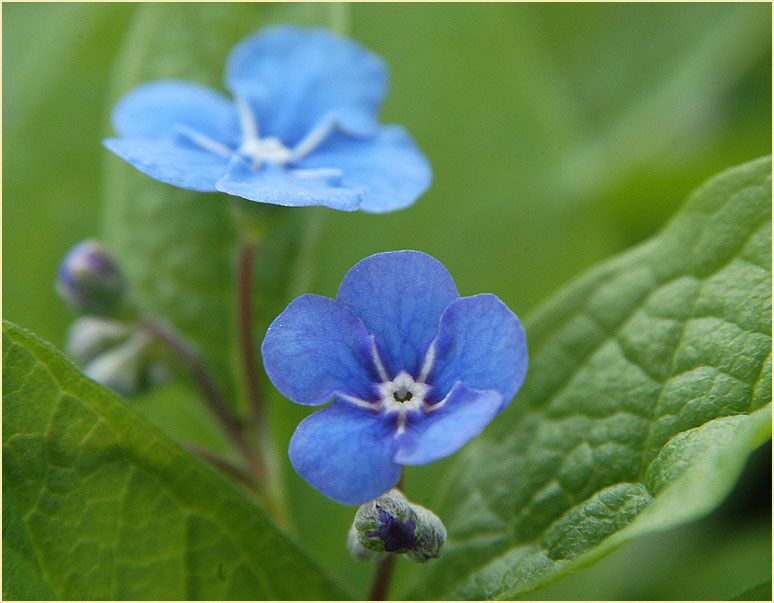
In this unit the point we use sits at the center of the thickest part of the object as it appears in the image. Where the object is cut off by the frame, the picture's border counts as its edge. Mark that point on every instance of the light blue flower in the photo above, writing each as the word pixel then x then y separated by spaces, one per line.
pixel 415 369
pixel 302 128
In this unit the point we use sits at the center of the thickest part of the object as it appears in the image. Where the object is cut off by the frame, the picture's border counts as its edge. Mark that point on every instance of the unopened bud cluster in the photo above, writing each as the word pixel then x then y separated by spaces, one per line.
pixel 115 353
pixel 393 524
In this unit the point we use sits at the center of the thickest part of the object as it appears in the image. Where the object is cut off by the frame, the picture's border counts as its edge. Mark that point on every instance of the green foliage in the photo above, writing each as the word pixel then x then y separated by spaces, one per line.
pixel 702 560
pixel 559 135
pixel 98 504
pixel 56 61
pixel 761 592
pixel 650 383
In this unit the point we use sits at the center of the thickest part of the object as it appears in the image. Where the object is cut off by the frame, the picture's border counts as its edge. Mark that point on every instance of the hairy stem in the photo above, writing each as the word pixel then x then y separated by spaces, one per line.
pixel 190 358
pixel 384 571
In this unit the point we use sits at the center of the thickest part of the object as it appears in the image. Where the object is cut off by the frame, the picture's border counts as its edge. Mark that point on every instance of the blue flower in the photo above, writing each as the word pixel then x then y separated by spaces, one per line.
pixel 302 129
pixel 415 369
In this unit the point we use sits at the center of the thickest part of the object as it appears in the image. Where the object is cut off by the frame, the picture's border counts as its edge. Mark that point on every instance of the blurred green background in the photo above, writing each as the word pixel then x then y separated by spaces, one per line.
pixel 559 135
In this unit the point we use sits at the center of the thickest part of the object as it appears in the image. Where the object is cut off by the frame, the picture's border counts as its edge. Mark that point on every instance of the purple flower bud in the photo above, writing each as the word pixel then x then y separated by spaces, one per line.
pixel 90 280
pixel 393 524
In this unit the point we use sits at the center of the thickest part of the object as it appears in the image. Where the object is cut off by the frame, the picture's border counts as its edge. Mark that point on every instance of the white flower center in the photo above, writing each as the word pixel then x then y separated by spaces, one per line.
pixel 402 394
pixel 265 149
pixel 271 149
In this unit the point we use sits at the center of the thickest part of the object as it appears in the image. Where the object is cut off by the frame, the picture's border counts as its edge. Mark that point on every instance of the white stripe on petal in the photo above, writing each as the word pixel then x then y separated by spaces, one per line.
pixel 359 402
pixel 205 142
pixel 427 365
pixel 378 362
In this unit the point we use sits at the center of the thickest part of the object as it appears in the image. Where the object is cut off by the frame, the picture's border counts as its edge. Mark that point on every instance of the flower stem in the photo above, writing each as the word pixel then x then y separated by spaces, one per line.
pixel 190 358
pixel 382 579
pixel 384 571
pixel 221 463
pixel 271 491
pixel 247 347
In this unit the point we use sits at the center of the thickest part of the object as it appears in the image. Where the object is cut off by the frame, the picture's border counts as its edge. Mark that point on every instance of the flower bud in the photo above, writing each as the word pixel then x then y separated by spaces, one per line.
pixel 122 369
pixel 358 551
pixel 90 336
pixel 89 279
pixel 393 524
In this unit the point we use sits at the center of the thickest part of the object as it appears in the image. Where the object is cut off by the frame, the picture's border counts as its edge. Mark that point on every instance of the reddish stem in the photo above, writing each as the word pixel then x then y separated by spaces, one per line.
pixel 248 349
pixel 382 579
pixel 189 357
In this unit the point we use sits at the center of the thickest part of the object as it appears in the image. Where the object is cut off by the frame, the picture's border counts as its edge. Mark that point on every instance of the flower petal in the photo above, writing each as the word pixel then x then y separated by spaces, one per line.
pixel 400 296
pixel 346 453
pixel 444 431
pixel 480 342
pixel 315 348
pixel 272 184
pixel 388 166
pixel 170 162
pixel 159 109
pixel 294 78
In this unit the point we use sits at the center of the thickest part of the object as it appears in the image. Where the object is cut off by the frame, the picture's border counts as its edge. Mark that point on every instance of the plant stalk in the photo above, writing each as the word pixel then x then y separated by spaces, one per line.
pixel 271 492
pixel 222 464
pixel 247 347
pixel 190 358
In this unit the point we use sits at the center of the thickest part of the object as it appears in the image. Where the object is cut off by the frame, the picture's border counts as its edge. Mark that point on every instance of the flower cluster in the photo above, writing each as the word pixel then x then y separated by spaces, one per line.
pixel 414 370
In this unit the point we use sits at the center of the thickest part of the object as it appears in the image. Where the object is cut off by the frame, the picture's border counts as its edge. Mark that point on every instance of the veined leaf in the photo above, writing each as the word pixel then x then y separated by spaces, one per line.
pixel 98 504
pixel 650 382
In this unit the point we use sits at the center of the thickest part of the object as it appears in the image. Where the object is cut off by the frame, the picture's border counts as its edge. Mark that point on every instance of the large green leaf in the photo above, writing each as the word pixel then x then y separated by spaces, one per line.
pixel 98 504
pixel 761 592
pixel 701 560
pixel 650 383
pixel 178 246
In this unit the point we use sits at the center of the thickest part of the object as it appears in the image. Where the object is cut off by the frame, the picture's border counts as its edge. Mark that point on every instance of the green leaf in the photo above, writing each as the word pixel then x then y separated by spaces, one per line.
pixel 761 592
pixel 650 383
pixel 178 246
pixel 98 504
pixel 707 560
